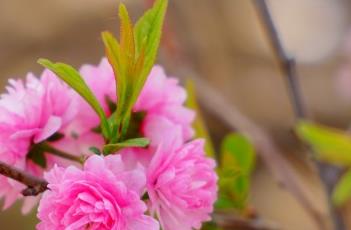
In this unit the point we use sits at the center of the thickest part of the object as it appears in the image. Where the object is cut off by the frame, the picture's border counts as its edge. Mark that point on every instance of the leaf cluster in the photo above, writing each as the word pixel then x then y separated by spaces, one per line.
pixel 132 59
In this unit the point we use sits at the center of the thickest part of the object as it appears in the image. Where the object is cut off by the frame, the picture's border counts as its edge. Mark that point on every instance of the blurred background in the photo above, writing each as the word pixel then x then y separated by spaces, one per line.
pixel 223 43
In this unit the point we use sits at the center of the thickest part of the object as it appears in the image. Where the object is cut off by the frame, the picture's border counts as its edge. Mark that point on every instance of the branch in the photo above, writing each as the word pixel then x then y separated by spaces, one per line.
pixel 215 103
pixel 230 221
pixel 288 67
pixel 34 185
pixel 286 62
pixel 51 150
pixel 285 175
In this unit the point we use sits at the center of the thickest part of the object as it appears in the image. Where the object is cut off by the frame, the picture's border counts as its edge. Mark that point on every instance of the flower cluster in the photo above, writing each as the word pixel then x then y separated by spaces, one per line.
pixel 170 183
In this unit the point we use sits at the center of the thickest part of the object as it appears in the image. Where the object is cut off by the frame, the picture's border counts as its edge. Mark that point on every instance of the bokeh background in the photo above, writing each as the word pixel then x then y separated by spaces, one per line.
pixel 222 42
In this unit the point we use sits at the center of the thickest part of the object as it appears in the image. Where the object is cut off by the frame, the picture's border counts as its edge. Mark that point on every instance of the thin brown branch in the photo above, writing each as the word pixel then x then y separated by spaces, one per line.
pixel 286 62
pixel 288 67
pixel 34 184
pixel 52 150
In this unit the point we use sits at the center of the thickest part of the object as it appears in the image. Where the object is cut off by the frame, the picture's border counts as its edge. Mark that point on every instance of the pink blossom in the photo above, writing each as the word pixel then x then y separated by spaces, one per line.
pixel 161 98
pixel 104 195
pixel 30 112
pixel 182 185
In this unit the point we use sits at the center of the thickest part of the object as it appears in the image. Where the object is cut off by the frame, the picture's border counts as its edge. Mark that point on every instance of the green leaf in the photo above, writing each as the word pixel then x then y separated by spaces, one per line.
pixel 233 189
pixel 132 60
pixel 113 53
pixel 71 76
pixel 237 162
pixel 148 31
pixel 329 144
pixel 199 125
pixel 149 26
pixel 136 142
pixel 342 191
pixel 237 151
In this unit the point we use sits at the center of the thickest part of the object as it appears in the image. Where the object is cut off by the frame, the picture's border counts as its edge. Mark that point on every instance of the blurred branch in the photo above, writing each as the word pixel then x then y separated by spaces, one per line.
pixel 214 102
pixel 286 62
pixel 34 185
pixel 288 67
pixel 284 173
pixel 230 221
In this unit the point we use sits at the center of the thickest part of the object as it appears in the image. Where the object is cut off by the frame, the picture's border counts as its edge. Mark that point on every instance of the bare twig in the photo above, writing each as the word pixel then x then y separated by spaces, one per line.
pixel 34 185
pixel 288 67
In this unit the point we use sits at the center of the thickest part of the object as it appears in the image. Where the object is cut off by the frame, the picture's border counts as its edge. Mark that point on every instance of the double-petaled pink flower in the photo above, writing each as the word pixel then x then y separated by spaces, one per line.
pixel 103 196
pixel 107 193
pixel 182 185
pixel 30 112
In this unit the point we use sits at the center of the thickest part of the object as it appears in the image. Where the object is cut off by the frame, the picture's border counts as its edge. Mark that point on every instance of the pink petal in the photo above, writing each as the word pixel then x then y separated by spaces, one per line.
pixel 52 126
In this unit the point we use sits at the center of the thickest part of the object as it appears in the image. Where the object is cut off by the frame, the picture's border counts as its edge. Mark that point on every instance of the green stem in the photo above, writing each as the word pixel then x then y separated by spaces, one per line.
pixel 52 150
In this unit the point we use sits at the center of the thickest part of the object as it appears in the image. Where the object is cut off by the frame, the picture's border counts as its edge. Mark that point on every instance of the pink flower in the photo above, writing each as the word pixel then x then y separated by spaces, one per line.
pixel 182 185
pixel 37 108
pixel 104 195
pixel 161 98
pixel 30 112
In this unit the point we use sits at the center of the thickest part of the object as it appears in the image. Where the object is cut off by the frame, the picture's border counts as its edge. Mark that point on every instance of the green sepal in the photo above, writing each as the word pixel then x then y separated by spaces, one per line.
pixel 56 137
pixel 37 155
pixel 95 150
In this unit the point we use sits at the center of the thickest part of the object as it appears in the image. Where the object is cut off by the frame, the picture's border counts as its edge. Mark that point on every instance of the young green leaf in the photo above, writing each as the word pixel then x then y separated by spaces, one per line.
pixel 329 144
pixel 237 158
pixel 72 77
pixel 149 26
pixel 148 31
pixel 233 193
pixel 237 151
pixel 113 53
pixel 199 125
pixel 342 191
pixel 132 59
pixel 127 39
pixel 136 142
